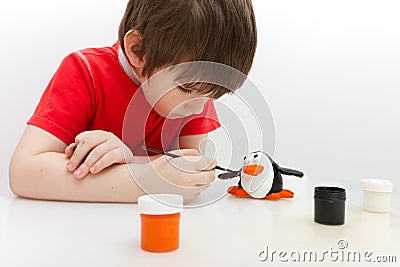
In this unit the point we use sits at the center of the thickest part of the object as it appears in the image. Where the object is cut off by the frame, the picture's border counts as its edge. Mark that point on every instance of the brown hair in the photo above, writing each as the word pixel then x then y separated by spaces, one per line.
pixel 176 31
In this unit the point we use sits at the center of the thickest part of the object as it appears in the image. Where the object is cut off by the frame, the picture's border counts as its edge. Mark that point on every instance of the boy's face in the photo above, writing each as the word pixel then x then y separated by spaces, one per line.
pixel 177 104
pixel 162 89
pixel 170 99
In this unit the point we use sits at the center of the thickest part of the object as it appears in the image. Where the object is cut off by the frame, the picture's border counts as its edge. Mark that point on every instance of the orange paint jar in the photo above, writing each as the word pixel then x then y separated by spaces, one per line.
pixel 160 222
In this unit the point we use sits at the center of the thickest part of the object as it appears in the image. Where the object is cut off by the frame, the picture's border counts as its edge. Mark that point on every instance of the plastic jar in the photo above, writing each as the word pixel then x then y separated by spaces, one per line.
pixel 329 205
pixel 376 195
pixel 160 221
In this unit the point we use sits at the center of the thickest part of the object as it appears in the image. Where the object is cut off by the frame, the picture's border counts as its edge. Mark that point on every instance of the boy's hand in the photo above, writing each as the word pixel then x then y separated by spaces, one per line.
pixel 187 175
pixel 189 170
pixel 95 150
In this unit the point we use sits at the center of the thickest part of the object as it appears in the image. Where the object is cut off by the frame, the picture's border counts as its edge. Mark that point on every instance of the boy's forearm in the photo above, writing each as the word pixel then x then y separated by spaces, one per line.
pixel 45 176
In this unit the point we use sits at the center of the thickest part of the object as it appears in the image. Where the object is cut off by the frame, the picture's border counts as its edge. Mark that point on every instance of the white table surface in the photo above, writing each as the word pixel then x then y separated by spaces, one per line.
pixel 230 232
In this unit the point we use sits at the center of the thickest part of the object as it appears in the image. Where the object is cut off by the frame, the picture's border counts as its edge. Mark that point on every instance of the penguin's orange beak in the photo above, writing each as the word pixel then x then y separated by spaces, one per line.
pixel 253 170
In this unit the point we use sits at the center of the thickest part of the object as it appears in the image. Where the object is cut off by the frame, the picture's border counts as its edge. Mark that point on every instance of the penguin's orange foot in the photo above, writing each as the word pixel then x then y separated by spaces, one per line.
pixel 240 192
pixel 273 196
pixel 232 190
pixel 284 193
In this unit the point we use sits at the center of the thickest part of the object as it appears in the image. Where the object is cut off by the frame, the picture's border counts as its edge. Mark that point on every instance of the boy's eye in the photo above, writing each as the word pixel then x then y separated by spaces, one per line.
pixel 184 90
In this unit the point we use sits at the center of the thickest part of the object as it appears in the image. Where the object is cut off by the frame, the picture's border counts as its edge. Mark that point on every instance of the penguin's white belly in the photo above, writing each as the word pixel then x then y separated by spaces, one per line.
pixel 258 186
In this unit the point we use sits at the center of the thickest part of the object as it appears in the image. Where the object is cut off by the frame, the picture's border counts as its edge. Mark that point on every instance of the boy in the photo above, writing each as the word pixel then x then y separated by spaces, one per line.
pixel 72 147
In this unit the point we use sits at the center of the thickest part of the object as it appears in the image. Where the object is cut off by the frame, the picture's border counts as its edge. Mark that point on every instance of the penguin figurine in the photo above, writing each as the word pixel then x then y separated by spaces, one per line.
pixel 260 177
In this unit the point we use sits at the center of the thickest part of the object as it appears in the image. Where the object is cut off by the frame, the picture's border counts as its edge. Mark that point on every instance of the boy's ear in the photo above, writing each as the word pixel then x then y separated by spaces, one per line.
pixel 133 44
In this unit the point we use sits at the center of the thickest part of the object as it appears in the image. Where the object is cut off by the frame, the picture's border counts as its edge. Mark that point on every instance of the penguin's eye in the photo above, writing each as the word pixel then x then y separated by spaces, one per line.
pixel 244 158
pixel 256 155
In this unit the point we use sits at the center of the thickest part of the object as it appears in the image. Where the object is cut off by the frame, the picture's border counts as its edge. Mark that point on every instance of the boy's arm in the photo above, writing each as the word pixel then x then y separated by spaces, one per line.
pixel 37 170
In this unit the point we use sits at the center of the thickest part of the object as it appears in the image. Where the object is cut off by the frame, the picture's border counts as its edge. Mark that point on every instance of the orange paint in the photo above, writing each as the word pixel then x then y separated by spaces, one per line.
pixel 253 170
pixel 160 233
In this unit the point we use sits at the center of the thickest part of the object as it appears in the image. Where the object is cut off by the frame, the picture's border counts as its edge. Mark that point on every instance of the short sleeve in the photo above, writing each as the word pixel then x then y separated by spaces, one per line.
pixel 68 103
pixel 202 123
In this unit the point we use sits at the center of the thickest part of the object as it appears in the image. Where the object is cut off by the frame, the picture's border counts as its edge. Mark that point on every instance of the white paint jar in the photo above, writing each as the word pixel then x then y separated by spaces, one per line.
pixel 376 194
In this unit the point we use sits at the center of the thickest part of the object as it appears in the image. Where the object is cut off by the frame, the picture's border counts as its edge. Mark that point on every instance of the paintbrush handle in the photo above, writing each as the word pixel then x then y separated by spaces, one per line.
pixel 159 152
pixel 176 156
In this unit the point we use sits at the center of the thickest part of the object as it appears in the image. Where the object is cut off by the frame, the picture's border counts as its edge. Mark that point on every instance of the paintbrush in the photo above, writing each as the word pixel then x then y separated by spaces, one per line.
pixel 176 156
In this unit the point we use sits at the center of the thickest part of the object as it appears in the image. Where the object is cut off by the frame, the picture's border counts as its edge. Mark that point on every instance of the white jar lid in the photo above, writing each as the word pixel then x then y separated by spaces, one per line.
pixel 377 185
pixel 159 204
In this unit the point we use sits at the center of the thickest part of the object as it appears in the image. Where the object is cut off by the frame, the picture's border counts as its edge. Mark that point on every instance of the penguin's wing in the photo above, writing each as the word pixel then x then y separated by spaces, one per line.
pixel 287 171
pixel 228 175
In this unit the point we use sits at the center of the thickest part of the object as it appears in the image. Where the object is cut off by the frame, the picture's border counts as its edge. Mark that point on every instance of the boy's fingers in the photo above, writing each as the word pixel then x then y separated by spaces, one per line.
pixel 107 160
pixel 77 157
pixel 99 158
pixel 82 171
pixel 194 179
pixel 202 163
pixel 98 152
pixel 206 164
pixel 185 152
pixel 204 178
pixel 81 152
pixel 194 163
pixel 69 150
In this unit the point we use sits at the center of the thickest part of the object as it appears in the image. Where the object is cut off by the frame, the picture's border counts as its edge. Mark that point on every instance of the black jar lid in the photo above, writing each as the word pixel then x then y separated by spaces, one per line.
pixel 329 192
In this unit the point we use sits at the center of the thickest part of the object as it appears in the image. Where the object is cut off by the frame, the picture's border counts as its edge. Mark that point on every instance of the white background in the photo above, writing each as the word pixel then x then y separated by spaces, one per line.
pixel 330 73
pixel 328 69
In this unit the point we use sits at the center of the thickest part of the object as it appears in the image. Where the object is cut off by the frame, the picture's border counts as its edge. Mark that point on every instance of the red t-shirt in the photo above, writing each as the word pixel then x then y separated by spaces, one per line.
pixel 91 91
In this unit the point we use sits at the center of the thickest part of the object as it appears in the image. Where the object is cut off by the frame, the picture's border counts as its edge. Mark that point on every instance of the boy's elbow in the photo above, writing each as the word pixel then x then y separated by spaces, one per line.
pixel 16 178
pixel 14 186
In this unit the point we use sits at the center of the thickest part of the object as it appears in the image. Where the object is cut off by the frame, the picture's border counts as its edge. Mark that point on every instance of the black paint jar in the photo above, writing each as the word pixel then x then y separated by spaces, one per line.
pixel 329 205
